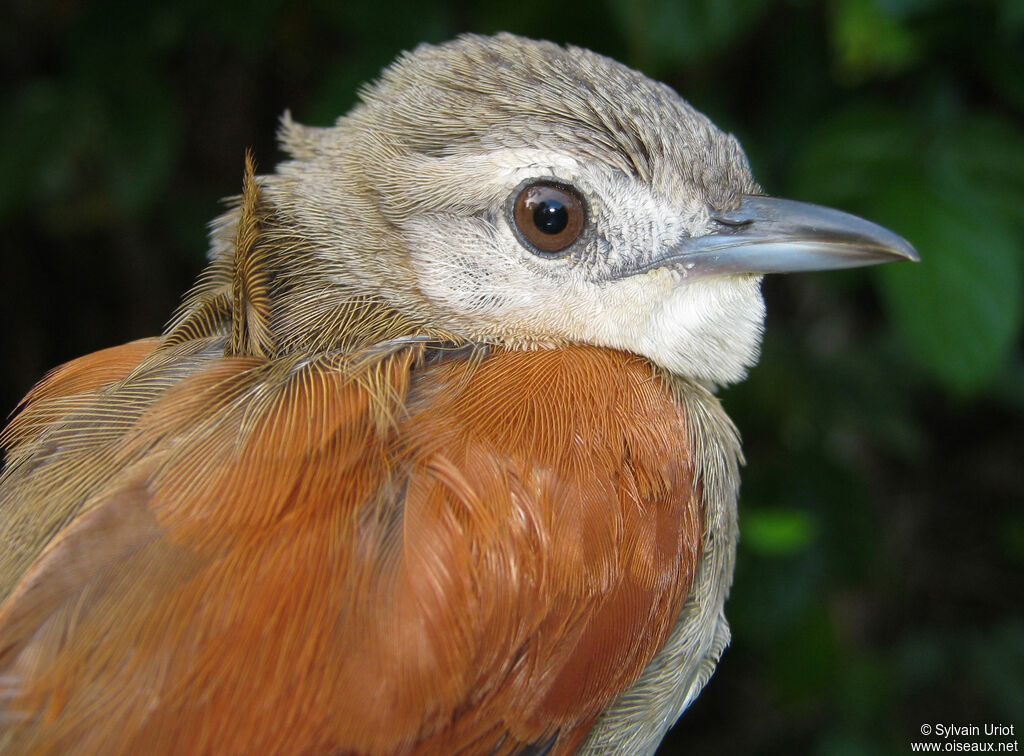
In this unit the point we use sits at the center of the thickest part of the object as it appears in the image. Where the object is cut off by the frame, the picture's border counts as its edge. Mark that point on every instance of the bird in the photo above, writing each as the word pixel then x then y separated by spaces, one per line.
pixel 431 459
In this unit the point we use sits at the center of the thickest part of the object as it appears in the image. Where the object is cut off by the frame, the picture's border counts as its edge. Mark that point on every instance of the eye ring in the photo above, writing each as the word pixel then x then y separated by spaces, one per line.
pixel 548 216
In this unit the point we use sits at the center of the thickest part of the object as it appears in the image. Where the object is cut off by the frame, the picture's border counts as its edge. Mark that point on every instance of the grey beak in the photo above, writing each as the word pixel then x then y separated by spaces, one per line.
pixel 772 235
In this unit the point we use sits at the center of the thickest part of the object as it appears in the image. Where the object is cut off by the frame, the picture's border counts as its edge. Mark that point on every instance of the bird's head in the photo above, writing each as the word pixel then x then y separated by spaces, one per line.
pixel 521 193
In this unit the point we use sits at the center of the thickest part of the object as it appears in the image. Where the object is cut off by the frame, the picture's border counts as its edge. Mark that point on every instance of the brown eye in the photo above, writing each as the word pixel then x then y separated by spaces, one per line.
pixel 549 217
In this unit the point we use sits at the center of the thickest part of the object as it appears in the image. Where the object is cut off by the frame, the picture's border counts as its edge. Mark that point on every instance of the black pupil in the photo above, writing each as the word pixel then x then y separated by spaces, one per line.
pixel 550 216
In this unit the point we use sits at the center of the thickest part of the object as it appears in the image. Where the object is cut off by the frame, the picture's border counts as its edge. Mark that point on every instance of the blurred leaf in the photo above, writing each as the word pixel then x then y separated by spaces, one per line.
pixel 961 308
pixel 1011 16
pixel 869 39
pixel 988 153
pixel 843 162
pixel 777 532
pixel 956 195
pixel 661 32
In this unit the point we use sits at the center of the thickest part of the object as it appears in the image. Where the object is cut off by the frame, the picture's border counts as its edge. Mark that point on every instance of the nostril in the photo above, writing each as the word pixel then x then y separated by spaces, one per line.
pixel 725 220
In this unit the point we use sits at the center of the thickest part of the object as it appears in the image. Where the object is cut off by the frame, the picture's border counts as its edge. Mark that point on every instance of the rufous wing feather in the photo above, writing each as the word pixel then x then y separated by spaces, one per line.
pixel 327 555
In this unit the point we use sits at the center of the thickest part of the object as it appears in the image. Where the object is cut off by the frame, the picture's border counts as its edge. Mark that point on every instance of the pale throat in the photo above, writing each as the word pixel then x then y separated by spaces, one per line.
pixel 709 329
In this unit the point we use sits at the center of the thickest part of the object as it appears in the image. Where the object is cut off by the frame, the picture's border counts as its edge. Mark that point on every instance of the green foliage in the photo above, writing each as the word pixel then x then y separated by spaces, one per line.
pixel 869 40
pixel 777 532
pixel 662 33
pixel 962 313
pixel 949 185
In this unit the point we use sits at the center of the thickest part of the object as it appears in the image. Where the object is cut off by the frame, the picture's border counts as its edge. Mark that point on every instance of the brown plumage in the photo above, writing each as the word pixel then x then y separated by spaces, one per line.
pixel 252 501
pixel 369 494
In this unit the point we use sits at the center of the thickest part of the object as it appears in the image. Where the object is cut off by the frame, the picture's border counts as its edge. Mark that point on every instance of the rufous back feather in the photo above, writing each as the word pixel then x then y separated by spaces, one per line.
pixel 514 552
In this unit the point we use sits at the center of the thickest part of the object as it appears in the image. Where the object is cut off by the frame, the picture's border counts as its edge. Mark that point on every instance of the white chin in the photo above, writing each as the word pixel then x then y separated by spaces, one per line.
pixel 709 329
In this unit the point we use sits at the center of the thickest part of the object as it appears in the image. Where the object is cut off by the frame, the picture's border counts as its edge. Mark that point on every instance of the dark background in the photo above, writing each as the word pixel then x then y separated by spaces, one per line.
pixel 881 571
